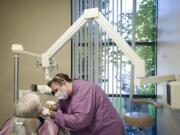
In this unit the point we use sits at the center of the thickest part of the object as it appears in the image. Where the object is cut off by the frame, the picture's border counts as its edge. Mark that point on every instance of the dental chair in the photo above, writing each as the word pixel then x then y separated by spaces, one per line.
pixel 26 120
pixel 140 120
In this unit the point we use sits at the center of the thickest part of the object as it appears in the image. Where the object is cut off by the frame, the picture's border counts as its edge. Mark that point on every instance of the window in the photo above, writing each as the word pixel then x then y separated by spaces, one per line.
pixel 95 55
pixel 97 58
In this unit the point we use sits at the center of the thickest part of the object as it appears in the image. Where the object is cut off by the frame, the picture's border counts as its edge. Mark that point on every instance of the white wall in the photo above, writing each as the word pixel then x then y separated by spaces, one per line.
pixel 168 60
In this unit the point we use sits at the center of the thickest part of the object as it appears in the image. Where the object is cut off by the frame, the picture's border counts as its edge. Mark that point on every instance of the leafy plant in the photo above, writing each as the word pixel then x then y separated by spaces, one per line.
pixel 145 32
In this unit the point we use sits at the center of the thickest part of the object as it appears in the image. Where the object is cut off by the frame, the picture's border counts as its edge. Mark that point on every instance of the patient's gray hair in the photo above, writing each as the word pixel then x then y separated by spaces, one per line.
pixel 26 112
pixel 28 106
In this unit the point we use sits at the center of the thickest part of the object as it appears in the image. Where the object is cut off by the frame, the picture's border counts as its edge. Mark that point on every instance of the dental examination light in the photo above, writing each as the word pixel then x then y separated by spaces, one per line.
pixel 47 61
pixel 17 49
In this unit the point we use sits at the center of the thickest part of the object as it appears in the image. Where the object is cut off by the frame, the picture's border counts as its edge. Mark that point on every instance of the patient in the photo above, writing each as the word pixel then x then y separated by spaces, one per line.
pixel 27 119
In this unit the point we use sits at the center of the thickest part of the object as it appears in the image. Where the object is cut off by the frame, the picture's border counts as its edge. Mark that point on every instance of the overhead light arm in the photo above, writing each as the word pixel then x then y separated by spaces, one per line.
pixel 89 14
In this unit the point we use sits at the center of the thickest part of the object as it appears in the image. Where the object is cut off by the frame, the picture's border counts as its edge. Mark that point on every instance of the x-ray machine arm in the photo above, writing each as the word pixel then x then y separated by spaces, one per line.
pixel 89 14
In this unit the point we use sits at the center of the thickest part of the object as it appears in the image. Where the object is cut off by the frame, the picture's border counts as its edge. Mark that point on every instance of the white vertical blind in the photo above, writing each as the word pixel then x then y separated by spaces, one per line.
pixel 95 56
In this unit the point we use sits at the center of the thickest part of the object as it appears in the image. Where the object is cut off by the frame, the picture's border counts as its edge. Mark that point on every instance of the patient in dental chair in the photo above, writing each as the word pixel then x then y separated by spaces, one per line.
pixel 29 119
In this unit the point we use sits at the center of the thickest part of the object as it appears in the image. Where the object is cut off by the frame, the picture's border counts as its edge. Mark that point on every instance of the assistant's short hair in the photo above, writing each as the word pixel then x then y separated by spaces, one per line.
pixel 59 78
pixel 28 106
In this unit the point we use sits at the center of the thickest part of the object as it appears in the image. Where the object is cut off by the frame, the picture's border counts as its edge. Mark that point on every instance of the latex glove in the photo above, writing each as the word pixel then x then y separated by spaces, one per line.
pixel 53 114
pixel 45 112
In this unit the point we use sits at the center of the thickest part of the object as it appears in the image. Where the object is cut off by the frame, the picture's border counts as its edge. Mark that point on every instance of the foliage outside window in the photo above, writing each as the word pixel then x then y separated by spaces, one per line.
pixel 145 37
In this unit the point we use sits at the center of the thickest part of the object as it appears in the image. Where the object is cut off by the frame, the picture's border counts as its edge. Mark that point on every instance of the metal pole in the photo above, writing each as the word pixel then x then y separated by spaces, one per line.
pixel 121 55
pixel 133 46
pixel 16 77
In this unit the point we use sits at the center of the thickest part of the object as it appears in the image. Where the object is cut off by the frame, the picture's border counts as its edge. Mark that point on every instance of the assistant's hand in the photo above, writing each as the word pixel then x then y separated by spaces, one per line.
pixel 45 112
pixel 53 114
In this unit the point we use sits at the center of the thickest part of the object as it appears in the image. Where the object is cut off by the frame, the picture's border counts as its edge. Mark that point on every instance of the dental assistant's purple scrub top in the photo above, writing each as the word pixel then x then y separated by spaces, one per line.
pixel 88 111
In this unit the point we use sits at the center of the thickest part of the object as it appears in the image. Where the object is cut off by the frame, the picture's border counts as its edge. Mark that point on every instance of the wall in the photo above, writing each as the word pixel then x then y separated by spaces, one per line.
pixel 35 24
pixel 168 54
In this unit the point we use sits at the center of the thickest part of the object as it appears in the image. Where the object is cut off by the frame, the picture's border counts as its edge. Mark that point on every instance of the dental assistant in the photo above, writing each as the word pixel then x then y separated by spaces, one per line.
pixel 84 108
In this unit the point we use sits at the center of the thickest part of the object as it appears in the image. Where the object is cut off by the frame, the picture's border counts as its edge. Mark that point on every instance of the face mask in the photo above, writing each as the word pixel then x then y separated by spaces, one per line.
pixel 61 95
